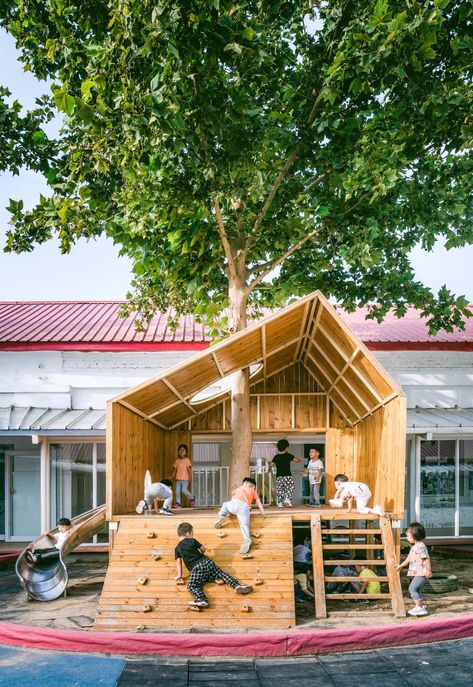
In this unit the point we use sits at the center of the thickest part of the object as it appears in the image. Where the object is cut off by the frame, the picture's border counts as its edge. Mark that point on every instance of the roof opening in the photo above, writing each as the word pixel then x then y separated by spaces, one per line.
pixel 220 387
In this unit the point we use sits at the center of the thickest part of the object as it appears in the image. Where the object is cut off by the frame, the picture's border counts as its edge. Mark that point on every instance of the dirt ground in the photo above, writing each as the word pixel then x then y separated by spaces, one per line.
pixel 87 573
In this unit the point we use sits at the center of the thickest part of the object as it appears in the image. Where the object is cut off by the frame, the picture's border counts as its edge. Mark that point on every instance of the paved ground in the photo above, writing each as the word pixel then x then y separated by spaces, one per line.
pixel 445 664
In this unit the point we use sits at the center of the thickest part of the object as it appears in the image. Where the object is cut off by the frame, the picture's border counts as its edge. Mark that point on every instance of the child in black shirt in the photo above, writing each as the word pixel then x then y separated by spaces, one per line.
pixel 201 568
pixel 284 478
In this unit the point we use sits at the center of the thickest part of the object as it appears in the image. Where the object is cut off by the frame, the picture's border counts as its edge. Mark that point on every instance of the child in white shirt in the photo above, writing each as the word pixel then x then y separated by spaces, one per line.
pixel 358 491
pixel 314 470
pixel 58 540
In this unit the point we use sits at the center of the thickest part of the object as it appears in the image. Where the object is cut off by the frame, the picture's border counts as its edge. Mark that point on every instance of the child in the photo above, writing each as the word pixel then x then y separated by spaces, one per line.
pixel 303 583
pixel 240 505
pixel 201 568
pixel 420 569
pixel 59 539
pixel 353 490
pixel 182 474
pixel 156 490
pixel 315 469
pixel 368 586
pixel 284 479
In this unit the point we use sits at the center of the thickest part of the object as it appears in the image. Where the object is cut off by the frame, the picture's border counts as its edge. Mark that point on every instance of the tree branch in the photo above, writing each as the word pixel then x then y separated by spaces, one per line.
pixel 272 266
pixel 281 176
pixel 225 242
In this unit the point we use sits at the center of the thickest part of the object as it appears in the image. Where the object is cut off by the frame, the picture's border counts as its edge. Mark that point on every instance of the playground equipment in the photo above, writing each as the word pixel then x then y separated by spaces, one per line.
pixel 46 579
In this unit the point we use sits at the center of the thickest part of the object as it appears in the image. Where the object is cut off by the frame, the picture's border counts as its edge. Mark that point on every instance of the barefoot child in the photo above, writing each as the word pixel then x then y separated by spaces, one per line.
pixel 182 474
pixel 358 491
pixel 240 505
pixel 420 569
pixel 201 568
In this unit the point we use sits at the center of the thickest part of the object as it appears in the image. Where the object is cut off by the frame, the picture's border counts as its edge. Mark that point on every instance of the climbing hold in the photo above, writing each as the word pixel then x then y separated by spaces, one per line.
pixel 255 535
pixel 151 535
pixel 246 556
pixel 142 580
pixel 219 581
pixel 140 628
pixel 180 581
pixel 147 608
pixel 221 534
pixel 245 609
pixel 156 555
pixel 196 609
pixel 257 582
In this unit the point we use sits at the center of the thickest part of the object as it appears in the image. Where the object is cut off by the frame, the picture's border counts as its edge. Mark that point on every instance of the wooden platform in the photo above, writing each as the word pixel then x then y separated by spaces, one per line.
pixel 123 602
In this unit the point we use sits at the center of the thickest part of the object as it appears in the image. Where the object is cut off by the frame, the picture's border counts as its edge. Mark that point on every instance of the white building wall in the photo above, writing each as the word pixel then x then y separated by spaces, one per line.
pixel 432 378
pixel 61 379
pixel 71 379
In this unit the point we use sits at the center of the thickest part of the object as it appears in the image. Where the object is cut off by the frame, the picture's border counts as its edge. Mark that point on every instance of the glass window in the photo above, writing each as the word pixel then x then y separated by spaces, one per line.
pixel 437 487
pixel 466 486
pixel 71 480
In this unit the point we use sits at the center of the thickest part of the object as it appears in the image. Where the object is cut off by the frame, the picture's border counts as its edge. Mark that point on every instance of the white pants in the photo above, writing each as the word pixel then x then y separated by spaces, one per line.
pixel 158 491
pixel 242 511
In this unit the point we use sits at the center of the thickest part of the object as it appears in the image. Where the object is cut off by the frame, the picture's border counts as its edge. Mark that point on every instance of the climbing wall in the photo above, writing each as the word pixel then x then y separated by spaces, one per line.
pixel 140 590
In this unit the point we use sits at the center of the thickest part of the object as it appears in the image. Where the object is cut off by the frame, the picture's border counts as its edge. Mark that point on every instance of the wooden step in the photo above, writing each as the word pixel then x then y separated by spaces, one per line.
pixel 344 532
pixel 346 562
pixel 271 605
pixel 358 596
pixel 328 578
pixel 360 545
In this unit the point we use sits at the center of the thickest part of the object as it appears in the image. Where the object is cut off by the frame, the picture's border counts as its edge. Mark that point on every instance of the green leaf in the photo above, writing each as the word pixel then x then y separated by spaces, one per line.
pixel 235 47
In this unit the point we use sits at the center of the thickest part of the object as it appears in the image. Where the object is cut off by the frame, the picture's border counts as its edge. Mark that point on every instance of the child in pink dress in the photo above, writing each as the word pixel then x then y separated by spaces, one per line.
pixel 420 569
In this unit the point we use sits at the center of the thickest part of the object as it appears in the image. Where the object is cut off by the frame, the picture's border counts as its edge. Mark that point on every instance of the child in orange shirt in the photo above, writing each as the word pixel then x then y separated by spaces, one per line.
pixel 240 505
pixel 182 473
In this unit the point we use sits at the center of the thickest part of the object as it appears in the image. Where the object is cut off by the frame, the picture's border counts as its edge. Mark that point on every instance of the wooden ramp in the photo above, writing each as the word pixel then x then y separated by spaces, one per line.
pixel 161 605
pixel 359 536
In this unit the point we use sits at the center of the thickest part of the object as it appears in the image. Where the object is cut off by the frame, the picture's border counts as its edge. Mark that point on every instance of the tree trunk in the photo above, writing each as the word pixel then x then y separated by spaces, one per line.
pixel 242 436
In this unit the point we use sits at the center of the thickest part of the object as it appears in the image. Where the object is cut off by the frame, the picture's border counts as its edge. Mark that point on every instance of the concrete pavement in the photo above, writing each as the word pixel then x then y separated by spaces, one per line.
pixel 444 664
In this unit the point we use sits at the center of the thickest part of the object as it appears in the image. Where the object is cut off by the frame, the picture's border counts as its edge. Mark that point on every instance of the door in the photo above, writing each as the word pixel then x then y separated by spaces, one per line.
pixel 23 496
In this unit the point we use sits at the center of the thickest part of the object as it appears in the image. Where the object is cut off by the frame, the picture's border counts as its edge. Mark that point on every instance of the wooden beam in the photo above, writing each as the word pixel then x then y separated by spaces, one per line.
pixel 263 349
pixel 395 589
pixel 318 566
pixel 179 395
pixel 216 361
pixel 141 414
pixel 310 335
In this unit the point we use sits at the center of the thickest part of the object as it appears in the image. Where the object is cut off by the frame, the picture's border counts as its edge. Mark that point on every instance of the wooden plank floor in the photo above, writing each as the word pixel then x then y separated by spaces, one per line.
pixel 271 604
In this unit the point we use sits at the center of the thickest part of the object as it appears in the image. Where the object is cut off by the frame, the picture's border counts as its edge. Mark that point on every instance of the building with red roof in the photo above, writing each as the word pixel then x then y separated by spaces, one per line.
pixel 60 361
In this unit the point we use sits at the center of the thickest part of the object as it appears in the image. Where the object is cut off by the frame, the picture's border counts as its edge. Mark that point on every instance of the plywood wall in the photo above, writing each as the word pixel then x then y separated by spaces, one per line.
pixel 340 456
pixel 380 453
pixel 134 445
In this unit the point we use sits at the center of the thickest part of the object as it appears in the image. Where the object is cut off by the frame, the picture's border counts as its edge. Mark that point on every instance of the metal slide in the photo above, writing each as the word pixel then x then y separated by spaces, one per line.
pixel 47 579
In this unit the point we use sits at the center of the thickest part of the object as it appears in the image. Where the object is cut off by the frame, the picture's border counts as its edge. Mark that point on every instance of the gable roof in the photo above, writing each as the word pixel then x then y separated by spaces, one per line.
pixel 309 332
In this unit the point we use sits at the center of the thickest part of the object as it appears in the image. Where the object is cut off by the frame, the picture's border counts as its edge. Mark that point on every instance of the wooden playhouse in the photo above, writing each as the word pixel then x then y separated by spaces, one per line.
pixel 310 375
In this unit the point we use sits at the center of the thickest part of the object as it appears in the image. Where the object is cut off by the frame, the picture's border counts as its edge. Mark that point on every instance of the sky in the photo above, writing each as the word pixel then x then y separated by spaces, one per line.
pixel 93 270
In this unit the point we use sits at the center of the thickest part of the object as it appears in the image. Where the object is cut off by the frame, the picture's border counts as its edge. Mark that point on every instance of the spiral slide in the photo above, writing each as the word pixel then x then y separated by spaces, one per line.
pixel 47 579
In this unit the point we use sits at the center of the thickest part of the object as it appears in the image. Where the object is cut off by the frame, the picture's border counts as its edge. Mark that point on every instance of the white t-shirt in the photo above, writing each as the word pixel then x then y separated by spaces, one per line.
pixel 157 490
pixel 60 539
pixel 354 490
pixel 313 467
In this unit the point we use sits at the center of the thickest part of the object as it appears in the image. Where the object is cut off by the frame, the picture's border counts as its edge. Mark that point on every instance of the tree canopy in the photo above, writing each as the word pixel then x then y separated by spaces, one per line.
pixel 215 141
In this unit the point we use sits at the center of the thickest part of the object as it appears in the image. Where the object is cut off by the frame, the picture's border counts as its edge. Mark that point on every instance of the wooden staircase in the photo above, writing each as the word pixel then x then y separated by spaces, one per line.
pixel 359 539
pixel 141 592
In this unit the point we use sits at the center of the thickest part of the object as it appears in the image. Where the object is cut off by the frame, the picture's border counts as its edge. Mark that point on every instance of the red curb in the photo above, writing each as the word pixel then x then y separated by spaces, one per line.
pixel 255 644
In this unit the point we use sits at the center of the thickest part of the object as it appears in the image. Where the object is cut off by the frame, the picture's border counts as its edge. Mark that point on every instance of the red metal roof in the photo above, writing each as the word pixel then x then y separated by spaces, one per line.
pixel 96 325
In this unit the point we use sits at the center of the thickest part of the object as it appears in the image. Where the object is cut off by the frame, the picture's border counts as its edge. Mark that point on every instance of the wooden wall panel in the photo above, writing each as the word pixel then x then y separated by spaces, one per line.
pixel 276 412
pixel 310 411
pixel 340 456
pixel 381 454
pixel 134 445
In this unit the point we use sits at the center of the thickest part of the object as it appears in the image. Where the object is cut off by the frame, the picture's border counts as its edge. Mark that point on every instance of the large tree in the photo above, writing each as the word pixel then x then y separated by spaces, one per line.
pixel 242 153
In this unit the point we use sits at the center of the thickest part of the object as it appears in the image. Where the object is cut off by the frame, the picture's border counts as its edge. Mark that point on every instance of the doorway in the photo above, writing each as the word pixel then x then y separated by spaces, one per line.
pixel 22 496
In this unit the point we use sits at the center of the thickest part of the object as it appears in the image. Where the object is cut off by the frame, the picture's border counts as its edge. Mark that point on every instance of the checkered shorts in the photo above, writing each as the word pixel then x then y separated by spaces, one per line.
pixel 207 571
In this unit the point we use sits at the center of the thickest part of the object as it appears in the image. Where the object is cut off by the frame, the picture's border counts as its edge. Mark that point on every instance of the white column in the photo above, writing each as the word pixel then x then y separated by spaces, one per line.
pixel 45 485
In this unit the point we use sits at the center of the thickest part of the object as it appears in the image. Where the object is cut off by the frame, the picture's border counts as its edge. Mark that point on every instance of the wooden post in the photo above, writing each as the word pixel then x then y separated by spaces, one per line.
pixel 397 600
pixel 318 566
